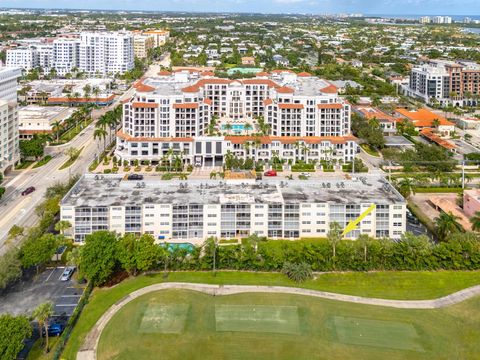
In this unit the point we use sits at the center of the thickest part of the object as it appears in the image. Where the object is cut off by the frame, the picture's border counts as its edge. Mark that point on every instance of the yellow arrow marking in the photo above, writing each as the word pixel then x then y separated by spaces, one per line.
pixel 353 224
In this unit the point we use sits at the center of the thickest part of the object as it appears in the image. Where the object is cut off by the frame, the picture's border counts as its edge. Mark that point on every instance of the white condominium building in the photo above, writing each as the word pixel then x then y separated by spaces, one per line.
pixel 177 211
pixel 180 106
pixel 92 52
pixel 9 150
pixel 65 55
pixel 8 83
pixel 106 52
pixel 23 57
pixel 446 82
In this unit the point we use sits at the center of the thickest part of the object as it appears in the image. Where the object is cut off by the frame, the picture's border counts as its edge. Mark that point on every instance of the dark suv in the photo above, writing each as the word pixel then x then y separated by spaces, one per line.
pixel 135 177
pixel 28 190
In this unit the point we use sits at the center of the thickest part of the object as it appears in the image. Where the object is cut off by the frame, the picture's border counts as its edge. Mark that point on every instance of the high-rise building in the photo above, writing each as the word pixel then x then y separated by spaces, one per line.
pixel 9 149
pixel 65 55
pixel 23 57
pixel 446 82
pixel 141 45
pixel 106 52
pixel 178 211
pixel 95 53
pixel 425 20
pixel 176 109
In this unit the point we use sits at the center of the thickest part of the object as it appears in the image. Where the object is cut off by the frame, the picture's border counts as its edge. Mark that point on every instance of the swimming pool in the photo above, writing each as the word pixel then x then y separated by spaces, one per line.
pixel 182 246
pixel 235 127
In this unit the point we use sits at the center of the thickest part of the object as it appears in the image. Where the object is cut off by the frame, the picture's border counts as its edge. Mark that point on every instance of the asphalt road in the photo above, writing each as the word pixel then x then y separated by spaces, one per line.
pixel 16 209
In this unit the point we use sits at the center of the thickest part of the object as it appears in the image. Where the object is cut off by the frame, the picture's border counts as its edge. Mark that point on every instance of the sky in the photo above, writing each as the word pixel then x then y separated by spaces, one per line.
pixel 393 7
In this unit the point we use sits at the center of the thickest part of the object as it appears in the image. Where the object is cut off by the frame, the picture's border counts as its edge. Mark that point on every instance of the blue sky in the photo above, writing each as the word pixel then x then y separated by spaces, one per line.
pixel 439 7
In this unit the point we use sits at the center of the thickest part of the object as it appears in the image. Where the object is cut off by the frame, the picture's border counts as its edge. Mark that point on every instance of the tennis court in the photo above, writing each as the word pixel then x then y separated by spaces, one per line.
pixel 257 318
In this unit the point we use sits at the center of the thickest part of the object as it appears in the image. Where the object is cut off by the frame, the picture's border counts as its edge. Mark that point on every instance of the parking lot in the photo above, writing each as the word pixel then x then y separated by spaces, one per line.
pixel 25 296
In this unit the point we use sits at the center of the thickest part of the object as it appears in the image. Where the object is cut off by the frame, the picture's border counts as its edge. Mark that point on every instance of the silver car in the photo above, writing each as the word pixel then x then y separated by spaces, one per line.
pixel 67 273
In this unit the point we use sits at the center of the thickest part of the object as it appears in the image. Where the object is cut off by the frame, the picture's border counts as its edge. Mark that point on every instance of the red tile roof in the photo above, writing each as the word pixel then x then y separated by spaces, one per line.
pixel 186 106
pixel 290 106
pixel 137 105
pixel 330 106
pixel 423 117
pixel 330 89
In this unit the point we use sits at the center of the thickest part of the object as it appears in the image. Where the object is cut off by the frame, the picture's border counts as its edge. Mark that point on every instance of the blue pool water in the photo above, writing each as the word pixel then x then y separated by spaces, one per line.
pixel 235 127
pixel 183 246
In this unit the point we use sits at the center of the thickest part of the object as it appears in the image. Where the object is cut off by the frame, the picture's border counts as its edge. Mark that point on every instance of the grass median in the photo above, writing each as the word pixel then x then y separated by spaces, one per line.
pixel 389 285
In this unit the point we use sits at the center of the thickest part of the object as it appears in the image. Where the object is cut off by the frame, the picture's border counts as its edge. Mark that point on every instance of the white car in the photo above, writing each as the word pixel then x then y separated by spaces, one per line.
pixel 67 273
pixel 306 174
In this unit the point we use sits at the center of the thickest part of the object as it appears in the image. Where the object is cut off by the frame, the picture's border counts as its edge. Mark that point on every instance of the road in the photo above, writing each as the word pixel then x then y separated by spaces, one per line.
pixel 16 209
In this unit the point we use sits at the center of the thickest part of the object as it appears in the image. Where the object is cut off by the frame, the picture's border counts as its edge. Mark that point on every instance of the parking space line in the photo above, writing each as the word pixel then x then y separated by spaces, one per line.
pixel 49 275
pixel 66 305
pixel 70 296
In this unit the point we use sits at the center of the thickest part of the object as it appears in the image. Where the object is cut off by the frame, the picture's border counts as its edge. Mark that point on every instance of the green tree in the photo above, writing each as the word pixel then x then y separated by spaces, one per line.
pixel 334 235
pixel 10 268
pixel 62 225
pixel 37 251
pixel 32 148
pixel 13 331
pixel 406 187
pixel 42 314
pixel 15 232
pixel 475 220
pixel 98 257
pixel 447 224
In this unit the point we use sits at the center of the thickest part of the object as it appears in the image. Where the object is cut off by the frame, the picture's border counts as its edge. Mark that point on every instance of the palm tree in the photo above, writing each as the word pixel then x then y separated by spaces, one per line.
pixel 475 220
pixel 100 133
pixel 446 224
pixel 96 92
pixel 62 225
pixel 247 127
pixel 228 127
pixel 334 236
pixel 56 127
pixel 406 187
pixel 42 313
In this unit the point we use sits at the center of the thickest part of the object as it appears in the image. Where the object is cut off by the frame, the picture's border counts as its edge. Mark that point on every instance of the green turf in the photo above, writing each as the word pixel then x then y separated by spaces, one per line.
pixel 166 319
pixel 327 329
pixel 377 333
pixel 390 285
pixel 257 318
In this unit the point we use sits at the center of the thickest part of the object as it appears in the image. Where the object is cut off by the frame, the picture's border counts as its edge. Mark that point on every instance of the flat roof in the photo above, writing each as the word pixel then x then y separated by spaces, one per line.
pixel 112 190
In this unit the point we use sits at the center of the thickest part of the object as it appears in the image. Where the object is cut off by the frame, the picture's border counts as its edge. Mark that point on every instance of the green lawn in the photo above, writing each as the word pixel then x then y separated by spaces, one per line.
pixel 43 161
pixel 279 326
pixel 370 150
pixel 390 285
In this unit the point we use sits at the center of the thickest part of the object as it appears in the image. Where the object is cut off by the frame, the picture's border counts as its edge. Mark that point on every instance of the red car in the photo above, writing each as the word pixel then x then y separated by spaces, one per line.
pixel 270 173
pixel 28 190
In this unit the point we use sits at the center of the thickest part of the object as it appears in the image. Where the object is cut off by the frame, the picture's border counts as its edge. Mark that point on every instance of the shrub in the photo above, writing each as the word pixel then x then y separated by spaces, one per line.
pixel 107 171
pixel 297 272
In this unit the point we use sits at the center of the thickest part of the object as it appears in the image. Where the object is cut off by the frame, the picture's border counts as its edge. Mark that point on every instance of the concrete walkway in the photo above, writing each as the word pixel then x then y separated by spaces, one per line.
pixel 88 351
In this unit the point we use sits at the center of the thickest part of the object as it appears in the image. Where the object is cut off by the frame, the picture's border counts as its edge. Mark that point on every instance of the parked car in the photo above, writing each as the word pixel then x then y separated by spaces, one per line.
pixel 28 190
pixel 306 174
pixel 135 177
pixel 54 329
pixel 67 273
pixel 270 173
